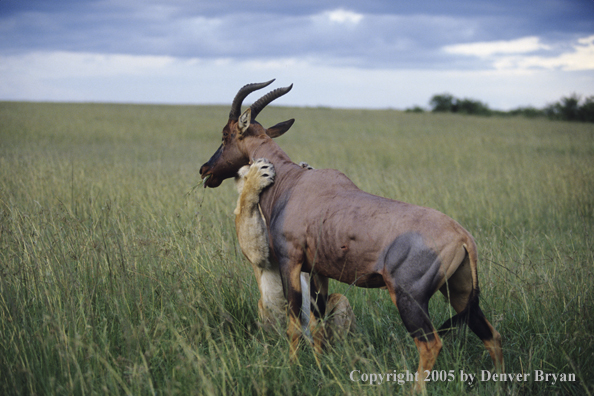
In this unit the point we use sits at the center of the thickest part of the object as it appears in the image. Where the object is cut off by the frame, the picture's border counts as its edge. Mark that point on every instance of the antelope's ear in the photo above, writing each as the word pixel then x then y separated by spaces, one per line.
pixel 280 128
pixel 244 120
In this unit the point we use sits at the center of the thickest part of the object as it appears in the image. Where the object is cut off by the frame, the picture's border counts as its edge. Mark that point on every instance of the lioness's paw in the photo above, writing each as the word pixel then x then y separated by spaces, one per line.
pixel 262 171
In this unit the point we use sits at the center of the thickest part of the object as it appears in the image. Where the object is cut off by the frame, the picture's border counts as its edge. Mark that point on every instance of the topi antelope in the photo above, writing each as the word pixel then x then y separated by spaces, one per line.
pixel 320 222
pixel 252 235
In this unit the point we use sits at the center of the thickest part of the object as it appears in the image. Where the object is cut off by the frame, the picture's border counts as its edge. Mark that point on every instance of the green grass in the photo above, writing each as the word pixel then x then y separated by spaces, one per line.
pixel 117 277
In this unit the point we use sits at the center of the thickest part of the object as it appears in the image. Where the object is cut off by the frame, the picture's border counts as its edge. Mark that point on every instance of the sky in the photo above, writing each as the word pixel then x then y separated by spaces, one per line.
pixel 341 54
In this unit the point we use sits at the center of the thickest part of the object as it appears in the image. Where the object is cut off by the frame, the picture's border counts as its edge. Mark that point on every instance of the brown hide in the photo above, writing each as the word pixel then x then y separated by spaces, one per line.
pixel 320 222
pixel 342 228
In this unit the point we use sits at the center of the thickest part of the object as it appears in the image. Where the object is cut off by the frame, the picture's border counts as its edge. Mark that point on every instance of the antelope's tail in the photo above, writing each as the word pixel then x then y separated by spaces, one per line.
pixel 472 307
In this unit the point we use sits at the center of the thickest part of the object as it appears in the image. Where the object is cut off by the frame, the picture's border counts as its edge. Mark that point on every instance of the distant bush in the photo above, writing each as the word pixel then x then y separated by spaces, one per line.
pixel 570 108
pixel 415 109
pixel 528 111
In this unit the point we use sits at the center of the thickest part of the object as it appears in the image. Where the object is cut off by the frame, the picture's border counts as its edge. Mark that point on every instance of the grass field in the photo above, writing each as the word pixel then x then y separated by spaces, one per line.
pixel 118 277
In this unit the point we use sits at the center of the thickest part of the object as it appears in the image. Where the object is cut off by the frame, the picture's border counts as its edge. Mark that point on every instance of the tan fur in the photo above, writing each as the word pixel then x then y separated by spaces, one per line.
pixel 428 352
pixel 250 227
pixel 321 223
pixel 253 240
pixel 341 319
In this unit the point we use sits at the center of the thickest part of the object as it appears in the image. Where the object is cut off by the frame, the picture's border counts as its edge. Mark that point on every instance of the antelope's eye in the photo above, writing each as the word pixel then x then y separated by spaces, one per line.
pixel 227 137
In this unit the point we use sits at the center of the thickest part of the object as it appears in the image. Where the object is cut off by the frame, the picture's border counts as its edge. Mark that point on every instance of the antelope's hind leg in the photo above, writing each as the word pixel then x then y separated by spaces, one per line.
pixel 465 300
pixel 414 311
pixel 411 274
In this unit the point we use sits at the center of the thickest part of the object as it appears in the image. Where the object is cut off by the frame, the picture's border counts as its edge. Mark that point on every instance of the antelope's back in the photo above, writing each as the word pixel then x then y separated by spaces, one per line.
pixel 348 230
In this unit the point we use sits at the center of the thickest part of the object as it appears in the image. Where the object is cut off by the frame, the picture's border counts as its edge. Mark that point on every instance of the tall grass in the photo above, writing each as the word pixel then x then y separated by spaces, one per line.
pixel 117 277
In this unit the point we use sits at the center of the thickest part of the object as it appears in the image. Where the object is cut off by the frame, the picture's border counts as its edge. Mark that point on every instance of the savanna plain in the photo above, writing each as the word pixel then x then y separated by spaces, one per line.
pixel 120 274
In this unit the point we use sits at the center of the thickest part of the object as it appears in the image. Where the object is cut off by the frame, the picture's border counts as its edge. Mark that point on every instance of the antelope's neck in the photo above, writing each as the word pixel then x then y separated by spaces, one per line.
pixel 286 174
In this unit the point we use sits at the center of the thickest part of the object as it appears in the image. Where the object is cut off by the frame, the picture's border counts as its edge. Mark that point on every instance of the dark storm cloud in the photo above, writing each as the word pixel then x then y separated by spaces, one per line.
pixel 387 34
pixel 364 53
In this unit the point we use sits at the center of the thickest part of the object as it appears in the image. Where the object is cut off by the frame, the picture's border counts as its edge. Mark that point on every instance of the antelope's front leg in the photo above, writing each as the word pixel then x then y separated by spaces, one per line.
pixel 319 298
pixel 290 270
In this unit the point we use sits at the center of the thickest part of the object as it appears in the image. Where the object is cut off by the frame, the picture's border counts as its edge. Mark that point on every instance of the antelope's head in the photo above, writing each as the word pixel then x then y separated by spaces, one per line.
pixel 241 127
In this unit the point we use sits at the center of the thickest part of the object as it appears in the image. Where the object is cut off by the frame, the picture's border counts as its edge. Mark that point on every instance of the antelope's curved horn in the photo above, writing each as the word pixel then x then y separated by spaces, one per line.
pixel 269 97
pixel 241 95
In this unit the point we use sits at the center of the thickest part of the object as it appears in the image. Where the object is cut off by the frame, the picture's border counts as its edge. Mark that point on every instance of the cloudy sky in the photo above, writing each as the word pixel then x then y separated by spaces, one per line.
pixel 365 54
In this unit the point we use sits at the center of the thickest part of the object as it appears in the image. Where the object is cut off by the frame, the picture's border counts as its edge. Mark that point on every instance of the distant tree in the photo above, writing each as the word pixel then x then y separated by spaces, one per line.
pixel 586 110
pixel 448 103
pixel 567 109
pixel 443 103
pixel 471 106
